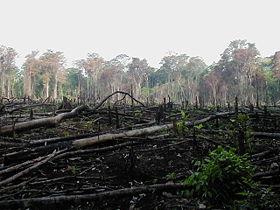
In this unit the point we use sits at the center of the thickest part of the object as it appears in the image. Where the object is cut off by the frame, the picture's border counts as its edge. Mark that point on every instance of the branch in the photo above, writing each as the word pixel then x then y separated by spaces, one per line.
pixel 121 92
pixel 31 168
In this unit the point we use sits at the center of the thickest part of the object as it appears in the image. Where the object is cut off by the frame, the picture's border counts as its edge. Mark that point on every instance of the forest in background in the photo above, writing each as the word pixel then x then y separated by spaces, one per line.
pixel 240 71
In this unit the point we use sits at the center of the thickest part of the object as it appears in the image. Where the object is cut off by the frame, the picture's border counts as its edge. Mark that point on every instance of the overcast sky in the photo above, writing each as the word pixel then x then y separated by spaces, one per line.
pixel 140 28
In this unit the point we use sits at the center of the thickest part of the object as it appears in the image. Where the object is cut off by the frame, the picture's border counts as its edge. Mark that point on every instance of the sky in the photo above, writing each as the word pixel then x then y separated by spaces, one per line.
pixel 140 28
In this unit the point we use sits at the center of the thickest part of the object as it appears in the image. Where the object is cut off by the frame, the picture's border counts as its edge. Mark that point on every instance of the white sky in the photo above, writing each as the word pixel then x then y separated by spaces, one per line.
pixel 140 28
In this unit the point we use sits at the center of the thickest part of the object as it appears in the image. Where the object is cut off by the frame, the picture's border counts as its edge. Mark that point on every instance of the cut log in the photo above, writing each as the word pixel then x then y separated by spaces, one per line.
pixel 49 121
pixel 91 197
pixel 52 121
pixel 112 136
pixel 139 132
pixel 265 135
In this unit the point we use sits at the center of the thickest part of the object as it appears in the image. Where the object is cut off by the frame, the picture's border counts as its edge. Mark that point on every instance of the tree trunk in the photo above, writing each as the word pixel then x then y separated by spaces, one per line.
pixel 55 87
pixel 79 86
pixel 47 88
pixel 32 84
pixel 8 91
pixel 27 83
pixel 3 84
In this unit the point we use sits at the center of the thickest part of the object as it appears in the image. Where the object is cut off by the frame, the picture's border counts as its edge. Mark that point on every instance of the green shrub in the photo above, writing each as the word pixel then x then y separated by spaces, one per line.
pixel 221 179
pixel 181 125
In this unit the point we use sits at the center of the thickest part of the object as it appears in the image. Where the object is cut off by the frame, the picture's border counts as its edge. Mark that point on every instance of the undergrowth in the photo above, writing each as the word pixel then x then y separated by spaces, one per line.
pixel 224 180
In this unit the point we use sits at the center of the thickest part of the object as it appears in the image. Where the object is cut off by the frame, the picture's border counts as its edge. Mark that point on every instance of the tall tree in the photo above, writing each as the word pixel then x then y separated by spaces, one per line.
pixel 30 66
pixel 238 65
pixel 7 69
pixel 51 63
pixel 138 71
pixel 93 66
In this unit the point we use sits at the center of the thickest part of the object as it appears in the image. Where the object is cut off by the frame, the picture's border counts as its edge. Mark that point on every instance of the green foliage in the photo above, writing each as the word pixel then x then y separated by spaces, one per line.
pixel 181 125
pixel 221 178
pixel 212 107
pixel 171 176
pixel 259 198
pixel 66 133
pixel 146 91
pixel 242 123
pixel 73 169
pixel 18 84
pixel 242 119
pixel 138 114
pixel 70 87
pixel 200 126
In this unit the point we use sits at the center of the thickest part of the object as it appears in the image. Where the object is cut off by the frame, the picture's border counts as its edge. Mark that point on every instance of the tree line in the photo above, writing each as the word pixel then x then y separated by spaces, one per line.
pixel 240 71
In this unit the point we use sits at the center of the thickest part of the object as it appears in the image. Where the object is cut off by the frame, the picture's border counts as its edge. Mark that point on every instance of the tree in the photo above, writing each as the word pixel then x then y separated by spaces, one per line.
pixel 181 75
pixel 30 66
pixel 138 71
pixel 93 66
pixel 238 65
pixel 7 70
pixel 113 74
pixel 51 63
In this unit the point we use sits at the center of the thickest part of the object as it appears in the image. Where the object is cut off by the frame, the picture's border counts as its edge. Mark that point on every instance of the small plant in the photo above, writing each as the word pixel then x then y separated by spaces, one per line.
pixel 181 125
pixel 137 114
pixel 221 178
pixel 259 198
pixel 66 133
pixel 241 125
pixel 73 169
pixel 199 126
pixel 171 176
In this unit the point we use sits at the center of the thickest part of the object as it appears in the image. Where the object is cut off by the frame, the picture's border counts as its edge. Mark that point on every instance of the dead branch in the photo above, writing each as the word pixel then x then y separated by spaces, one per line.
pixel 18 166
pixel 117 92
pixel 28 107
pixel 31 168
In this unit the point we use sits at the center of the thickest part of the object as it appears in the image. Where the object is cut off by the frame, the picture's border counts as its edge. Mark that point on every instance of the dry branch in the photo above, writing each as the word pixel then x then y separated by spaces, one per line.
pixel 117 92
pixel 14 177
pixel 18 166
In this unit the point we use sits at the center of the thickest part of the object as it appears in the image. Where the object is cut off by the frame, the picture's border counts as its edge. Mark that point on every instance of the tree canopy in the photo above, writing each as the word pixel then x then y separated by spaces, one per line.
pixel 240 71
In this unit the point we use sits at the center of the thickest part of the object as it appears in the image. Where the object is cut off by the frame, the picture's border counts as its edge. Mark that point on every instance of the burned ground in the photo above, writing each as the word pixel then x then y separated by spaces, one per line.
pixel 40 163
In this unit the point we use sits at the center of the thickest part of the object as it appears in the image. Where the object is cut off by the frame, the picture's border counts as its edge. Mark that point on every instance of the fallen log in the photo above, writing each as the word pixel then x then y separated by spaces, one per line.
pixel 139 132
pixel 266 174
pixel 52 121
pixel 49 121
pixel 91 197
pixel 265 135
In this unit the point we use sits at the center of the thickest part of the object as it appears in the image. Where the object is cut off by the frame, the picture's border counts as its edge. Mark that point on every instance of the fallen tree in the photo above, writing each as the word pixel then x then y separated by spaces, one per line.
pixel 53 121
pixel 139 132
pixel 49 121
pixel 91 197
